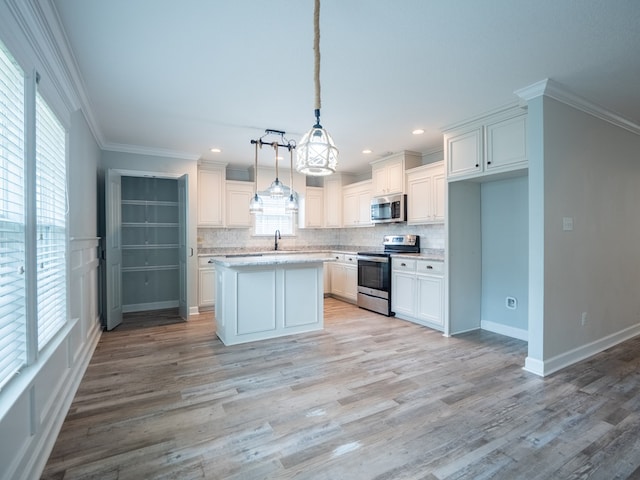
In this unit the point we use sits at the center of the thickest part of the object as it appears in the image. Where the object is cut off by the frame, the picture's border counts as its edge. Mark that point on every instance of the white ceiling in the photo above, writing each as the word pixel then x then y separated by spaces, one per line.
pixel 185 76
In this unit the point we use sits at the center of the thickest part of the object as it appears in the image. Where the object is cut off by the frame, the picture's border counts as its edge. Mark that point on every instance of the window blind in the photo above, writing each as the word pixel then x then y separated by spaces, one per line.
pixel 51 208
pixel 12 222
pixel 274 216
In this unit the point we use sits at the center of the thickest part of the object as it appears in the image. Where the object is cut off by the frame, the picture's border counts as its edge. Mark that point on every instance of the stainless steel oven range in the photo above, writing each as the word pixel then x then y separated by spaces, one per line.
pixel 374 272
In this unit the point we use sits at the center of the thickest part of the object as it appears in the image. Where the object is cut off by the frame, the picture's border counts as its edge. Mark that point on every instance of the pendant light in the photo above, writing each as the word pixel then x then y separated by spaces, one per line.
pixel 255 205
pixel 317 153
pixel 276 190
pixel 292 201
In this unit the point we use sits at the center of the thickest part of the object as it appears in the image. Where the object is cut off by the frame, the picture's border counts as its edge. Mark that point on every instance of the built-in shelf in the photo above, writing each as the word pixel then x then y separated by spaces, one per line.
pixel 149 224
pixel 150 268
pixel 149 246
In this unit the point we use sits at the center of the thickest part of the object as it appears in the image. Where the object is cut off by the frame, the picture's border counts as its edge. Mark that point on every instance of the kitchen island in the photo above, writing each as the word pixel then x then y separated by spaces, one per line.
pixel 262 296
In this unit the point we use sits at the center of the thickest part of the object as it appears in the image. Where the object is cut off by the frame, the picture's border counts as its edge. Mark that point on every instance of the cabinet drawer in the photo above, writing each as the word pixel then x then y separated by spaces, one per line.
pixel 430 267
pixel 403 265
pixel 203 262
pixel 348 258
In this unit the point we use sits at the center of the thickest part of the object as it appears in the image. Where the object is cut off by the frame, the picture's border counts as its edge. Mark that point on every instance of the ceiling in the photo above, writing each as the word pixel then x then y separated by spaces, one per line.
pixel 181 77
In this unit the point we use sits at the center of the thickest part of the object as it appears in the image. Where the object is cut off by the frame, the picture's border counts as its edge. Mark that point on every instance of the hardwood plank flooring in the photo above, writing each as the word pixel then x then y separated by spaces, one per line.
pixel 369 397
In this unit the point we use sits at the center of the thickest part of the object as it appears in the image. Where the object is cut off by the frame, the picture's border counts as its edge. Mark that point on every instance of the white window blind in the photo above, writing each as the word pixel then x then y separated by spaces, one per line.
pixel 12 222
pixel 274 216
pixel 51 206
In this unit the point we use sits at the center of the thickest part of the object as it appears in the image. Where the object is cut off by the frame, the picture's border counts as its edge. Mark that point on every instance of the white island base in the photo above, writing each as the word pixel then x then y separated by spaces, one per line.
pixel 267 300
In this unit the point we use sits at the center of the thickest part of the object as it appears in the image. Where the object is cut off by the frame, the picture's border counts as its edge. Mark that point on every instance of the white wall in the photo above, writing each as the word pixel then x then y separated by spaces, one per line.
pixel 505 253
pixel 590 173
pixel 162 165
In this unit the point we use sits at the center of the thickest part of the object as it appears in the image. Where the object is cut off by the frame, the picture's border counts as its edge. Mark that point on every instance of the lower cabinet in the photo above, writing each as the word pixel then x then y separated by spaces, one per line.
pixel 206 284
pixel 417 291
pixel 344 276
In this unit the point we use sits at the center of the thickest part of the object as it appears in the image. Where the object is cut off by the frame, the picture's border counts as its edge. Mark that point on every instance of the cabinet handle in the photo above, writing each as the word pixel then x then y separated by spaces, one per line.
pixel 403 264
pixel 489 163
pixel 429 267
pixel 477 165
pixel 210 261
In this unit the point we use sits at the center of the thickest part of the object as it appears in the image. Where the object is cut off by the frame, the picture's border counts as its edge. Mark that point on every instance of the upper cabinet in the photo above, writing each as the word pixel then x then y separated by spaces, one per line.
pixel 387 174
pixel 237 199
pixel 425 194
pixel 311 208
pixel 211 183
pixel 356 211
pixel 495 144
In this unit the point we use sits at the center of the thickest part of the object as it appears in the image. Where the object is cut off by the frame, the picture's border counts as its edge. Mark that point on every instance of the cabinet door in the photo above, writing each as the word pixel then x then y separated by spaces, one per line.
pixel 350 208
pixel 206 287
pixel 507 144
pixel 379 180
pixel 332 204
pixel 337 279
pixel 464 153
pixel 351 282
pixel 395 177
pixel 314 208
pixel 326 272
pixel 430 299
pixel 238 196
pixel 438 185
pixel 364 208
pixel 403 294
pixel 210 195
pixel 419 200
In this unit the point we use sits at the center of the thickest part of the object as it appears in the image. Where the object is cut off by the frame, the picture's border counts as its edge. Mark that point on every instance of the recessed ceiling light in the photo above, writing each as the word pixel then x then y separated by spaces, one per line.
pixel 366 151
pixel 216 150
pixel 418 131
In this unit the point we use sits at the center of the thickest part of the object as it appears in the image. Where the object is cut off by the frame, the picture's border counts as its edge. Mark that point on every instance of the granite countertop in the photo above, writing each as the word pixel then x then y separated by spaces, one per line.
pixel 272 258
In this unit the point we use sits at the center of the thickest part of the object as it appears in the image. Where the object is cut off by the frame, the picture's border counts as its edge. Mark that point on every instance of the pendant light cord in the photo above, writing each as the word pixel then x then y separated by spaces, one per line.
pixel 316 52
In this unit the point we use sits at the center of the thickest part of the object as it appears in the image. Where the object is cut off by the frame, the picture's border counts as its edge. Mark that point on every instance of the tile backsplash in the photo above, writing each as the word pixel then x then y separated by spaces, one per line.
pixel 431 237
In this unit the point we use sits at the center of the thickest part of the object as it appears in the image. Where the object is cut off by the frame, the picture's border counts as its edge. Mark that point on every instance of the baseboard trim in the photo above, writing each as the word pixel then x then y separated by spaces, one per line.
pixel 513 332
pixel 554 364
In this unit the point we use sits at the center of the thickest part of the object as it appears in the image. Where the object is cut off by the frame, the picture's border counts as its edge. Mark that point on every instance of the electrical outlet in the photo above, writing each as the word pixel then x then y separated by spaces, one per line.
pixel 583 319
pixel 511 303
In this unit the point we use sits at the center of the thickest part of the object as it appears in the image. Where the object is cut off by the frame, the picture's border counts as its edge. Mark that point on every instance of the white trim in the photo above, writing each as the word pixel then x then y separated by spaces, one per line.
pixel 35 464
pixel 507 330
pixel 559 92
pixel 194 311
pixel 155 152
pixel 554 364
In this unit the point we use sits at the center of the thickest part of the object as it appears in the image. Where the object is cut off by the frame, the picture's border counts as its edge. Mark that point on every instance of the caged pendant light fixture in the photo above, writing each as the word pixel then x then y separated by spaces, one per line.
pixel 317 153
pixel 276 190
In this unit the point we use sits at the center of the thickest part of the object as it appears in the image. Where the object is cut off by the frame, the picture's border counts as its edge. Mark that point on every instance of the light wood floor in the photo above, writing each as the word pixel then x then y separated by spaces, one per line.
pixel 369 397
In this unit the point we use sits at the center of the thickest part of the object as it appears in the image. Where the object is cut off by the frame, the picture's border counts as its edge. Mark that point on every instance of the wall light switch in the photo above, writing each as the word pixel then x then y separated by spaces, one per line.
pixel 567 224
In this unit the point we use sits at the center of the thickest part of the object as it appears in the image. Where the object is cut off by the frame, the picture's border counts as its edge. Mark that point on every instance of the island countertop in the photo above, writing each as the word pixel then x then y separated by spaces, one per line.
pixel 260 259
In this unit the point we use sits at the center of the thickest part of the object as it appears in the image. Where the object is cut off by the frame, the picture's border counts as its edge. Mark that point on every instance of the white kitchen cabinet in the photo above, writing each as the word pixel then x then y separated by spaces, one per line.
pixel 344 276
pixel 357 204
pixel 495 144
pixel 417 291
pixel 326 279
pixel 311 208
pixel 237 198
pixel 333 202
pixel 387 174
pixel 206 283
pixel 506 144
pixel 211 183
pixel 425 194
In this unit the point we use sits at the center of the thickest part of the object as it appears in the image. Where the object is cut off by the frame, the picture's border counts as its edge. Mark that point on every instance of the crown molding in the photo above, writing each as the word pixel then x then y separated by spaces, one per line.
pixel 552 89
pixel 154 152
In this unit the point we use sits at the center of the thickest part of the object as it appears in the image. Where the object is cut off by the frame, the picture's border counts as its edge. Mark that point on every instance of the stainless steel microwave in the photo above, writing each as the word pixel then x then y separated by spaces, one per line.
pixel 389 209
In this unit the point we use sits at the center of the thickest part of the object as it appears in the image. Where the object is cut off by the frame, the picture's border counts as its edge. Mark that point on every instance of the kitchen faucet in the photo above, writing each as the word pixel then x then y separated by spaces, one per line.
pixel 277 236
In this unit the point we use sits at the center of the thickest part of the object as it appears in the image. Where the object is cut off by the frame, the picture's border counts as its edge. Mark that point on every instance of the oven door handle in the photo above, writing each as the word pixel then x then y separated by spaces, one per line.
pixel 374 259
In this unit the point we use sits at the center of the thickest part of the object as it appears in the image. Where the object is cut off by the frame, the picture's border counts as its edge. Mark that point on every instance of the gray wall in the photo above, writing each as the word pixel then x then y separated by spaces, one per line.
pixel 589 170
pixel 504 212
